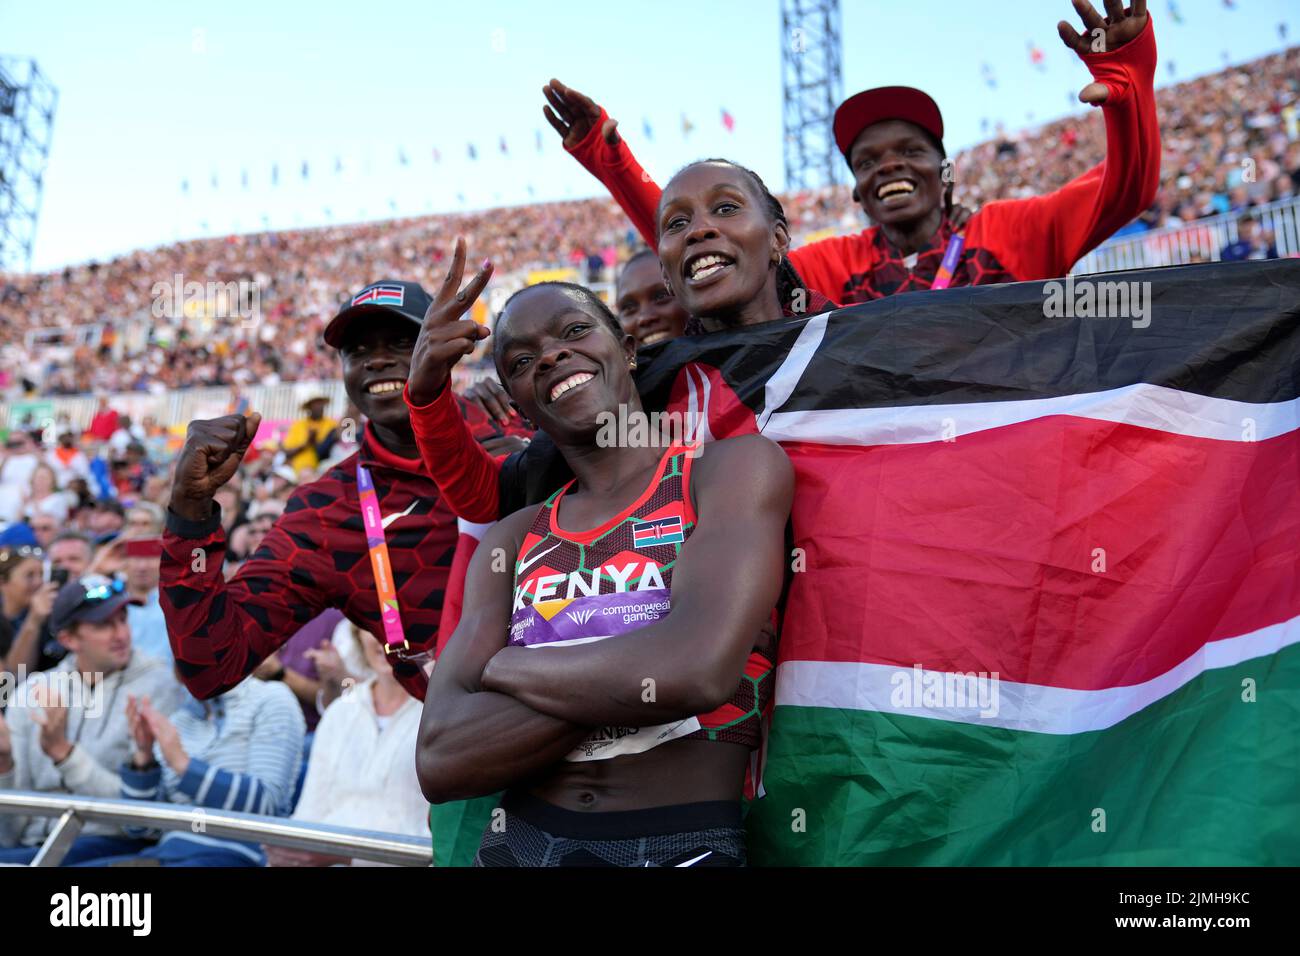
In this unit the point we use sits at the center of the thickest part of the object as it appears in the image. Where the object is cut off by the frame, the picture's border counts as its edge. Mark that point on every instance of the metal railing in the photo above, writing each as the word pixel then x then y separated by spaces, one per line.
pixel 74 812
pixel 1201 240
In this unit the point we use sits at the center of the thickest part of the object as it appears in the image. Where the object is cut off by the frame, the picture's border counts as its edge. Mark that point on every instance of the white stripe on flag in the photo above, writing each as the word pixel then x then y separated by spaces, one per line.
pixel 698 392
pixel 1146 406
pixel 1028 707
pixel 781 385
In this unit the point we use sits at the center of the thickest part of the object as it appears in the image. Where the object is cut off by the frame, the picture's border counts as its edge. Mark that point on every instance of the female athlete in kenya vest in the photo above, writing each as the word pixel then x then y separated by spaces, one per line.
pixel 572 587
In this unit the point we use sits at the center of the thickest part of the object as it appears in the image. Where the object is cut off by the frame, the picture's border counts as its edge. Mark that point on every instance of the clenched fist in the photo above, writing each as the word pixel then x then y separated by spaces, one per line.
pixel 213 450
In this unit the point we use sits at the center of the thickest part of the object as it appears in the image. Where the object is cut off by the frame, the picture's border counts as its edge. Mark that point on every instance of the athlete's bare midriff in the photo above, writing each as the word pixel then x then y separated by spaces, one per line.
pixel 680 771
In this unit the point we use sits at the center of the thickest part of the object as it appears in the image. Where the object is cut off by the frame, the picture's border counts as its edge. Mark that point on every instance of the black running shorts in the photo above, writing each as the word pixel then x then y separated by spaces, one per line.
pixel 532 832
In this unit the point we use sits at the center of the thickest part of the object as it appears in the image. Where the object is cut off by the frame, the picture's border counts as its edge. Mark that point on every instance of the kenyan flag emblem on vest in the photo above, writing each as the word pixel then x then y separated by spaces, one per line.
pixel 660 531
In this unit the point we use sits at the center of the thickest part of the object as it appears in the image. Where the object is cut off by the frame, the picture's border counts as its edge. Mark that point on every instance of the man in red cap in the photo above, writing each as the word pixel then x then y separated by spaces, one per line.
pixel 892 139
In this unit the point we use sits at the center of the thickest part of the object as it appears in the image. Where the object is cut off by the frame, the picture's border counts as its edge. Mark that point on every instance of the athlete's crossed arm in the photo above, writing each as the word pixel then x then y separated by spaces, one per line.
pixel 474 741
pixel 726 581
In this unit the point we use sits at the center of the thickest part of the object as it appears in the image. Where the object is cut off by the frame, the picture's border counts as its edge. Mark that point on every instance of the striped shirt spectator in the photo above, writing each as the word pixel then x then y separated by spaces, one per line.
pixel 239 751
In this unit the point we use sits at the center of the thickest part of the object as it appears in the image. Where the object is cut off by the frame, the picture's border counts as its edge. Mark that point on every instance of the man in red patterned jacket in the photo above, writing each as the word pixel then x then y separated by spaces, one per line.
pixel 319 553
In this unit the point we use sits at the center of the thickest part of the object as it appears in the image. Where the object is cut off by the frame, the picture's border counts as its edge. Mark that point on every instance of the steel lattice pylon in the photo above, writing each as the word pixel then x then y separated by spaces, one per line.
pixel 812 86
pixel 27 102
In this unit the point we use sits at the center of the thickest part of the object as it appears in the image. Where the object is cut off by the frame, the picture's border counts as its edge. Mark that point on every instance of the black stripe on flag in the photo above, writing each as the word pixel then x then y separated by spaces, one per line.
pixel 1223 330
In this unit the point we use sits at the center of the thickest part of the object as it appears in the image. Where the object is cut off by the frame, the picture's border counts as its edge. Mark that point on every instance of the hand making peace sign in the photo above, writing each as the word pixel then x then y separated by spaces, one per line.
pixel 445 338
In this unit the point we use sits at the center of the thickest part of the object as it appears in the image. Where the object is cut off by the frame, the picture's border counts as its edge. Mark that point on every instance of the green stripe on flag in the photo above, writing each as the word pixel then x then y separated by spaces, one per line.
pixel 1199 778
pixel 457 829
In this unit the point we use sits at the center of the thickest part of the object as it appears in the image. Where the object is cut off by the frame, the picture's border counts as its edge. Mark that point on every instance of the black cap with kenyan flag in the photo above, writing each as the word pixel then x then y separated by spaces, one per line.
pixel 885 103
pixel 406 299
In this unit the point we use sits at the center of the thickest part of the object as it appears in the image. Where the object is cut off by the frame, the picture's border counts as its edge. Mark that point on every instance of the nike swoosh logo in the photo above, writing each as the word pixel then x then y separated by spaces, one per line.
pixel 523 566
pixel 401 514
pixel 697 859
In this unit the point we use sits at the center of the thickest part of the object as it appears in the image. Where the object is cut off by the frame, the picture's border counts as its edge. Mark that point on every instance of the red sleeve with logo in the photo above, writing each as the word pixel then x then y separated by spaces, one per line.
pixel 466 475
pixel 448 431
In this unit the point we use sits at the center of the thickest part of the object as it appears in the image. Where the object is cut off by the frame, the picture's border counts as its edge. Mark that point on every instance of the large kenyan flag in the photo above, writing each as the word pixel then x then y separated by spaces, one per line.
pixel 1103 513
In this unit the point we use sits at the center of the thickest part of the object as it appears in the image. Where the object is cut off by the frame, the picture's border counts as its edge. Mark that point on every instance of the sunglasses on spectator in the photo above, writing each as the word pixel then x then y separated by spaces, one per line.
pixel 99 588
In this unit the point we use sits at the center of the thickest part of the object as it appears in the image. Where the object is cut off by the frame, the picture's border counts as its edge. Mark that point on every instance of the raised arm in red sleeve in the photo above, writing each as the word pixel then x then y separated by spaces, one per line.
pixel 1042 237
pixel 463 470
pixel 619 172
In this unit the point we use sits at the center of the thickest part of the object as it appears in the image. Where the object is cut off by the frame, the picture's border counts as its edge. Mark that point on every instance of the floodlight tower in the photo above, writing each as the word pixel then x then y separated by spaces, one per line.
pixel 27 102
pixel 812 86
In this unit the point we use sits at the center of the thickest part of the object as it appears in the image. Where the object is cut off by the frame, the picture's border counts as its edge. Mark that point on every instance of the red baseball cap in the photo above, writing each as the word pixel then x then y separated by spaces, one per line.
pixel 885 103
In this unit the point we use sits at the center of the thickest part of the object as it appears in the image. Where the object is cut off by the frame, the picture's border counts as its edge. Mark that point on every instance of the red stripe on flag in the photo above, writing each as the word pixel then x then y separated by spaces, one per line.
pixel 978 555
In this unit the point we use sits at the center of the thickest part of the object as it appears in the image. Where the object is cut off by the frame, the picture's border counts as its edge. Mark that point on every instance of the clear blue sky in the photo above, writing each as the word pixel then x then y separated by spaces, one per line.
pixel 153 93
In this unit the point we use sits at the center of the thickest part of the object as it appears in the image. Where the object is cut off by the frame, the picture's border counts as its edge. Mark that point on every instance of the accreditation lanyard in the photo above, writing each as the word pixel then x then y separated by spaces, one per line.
pixel 943 278
pixel 395 637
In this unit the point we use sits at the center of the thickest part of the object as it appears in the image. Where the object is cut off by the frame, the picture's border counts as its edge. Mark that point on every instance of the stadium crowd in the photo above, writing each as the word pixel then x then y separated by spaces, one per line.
pixel 301 279
pixel 1209 125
